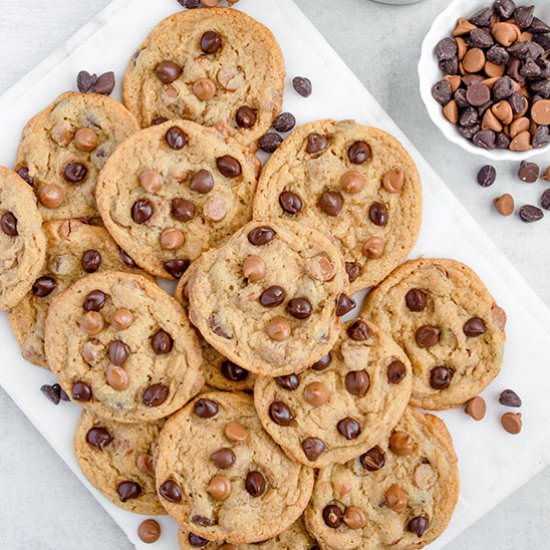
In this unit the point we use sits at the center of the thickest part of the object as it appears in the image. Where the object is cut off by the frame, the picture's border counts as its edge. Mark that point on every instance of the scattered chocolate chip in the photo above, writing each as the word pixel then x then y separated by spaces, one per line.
pixel 427 336
pixel 344 304
pixel 529 172
pixel 94 301
pixel 313 448
pixel 440 377
pixel 378 214
pixel 284 122
pixel 416 300
pixel 118 352
pixel 442 92
pixel 545 200
pixel 75 172
pixel 142 210
pixel 316 143
pixel 357 382
pixel 373 460
pixel 210 42
pixel 272 296
pixel 246 117
pixel 223 458
pixel 99 438
pixel 509 398
pixel 128 490
pixel 418 525
pixel 476 408
pixel 530 213
pixel 349 428
pixel 176 268
pixel 474 327
pixel 182 210
pixel 290 202
pixel 353 269
pixel 255 484
pixel 229 166
pixel 167 71
pixel 302 85
pixel 359 331
pixel 105 84
pixel 8 223
pixel 359 152
pixel 396 372
pixel 53 393
pixel 511 422
pixel 149 531
pixel 202 182
pixel 261 235
pixel 175 138
pixel 85 81
pixel 280 413
pixel 331 202
pixel 299 308
pixel 205 408
pixel 171 491
pixel 486 176
pixel 233 372
pixel 82 391
pixel 333 516
pixel 323 363
pixel 270 142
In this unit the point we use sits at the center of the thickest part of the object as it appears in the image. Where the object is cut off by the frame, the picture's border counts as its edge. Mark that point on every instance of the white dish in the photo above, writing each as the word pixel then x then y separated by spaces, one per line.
pixel 429 74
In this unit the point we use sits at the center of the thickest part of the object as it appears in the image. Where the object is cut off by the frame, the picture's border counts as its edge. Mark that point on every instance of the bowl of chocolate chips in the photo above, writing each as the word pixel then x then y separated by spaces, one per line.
pixel 485 77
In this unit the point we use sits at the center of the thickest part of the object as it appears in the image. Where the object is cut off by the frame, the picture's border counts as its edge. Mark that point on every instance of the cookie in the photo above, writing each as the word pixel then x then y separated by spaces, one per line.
pixel 354 183
pixel 294 538
pixel 173 191
pixel 73 250
pixel 131 355
pixel 398 495
pixel 22 241
pixel 117 459
pixel 441 314
pixel 217 67
pixel 267 299
pixel 220 476
pixel 344 404
pixel 220 373
pixel 64 147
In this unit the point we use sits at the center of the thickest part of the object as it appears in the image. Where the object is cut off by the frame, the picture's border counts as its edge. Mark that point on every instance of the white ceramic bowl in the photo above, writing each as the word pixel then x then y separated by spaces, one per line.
pixel 429 73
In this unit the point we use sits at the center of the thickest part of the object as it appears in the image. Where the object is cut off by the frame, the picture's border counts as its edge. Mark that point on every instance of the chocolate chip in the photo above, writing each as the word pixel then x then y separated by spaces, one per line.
pixel 442 92
pixel 171 491
pixel 128 490
pixel 270 142
pixel 8 223
pixel 331 202
pixel 509 398
pixel 373 460
pixel 323 363
pixel 418 525
pixel 246 117
pixel 205 408
pixel 91 261
pixel 182 210
pixel 23 173
pixel 529 172
pixel 359 152
pixel 504 8
pixel 211 42
pixel 349 428
pixel 378 214
pixel 353 269
pixel 223 458
pixel 204 521
pixel 357 382
pixel 503 88
pixel 197 541
pixel 541 137
pixel 167 71
pixel 530 213
pixel 53 393
pixel 446 49
pixel 175 138
pixel 118 352
pixel 396 372
pixel 486 176
pixel 524 16
pixel 541 87
pixel 228 166
pixel 427 336
pixel 545 200
pixel 474 327
pixel 290 202
pixel 497 55
pixel 272 296
pixel 125 259
pixel 333 516
pixel 284 122
pixel 82 391
pixel 43 286
pixel 482 18
pixel 503 141
pixel 316 143
pixel 440 377
pixel 359 331
pixel 158 121
pixel 155 395
pixel 85 81
pixel 105 83
pixel 289 382
pixel 176 268
pixel 98 438
pixel 75 172
pixel 344 304
pixel 233 372
pixel 486 139
pixel 299 308
pixel 469 118
pixel 255 484
pixel 162 342
pixel 313 448
pixel 478 94
pixel 261 235
pixel 280 413
pixel 449 66
pixel 142 210
pixel 538 26
pixel 149 531
pixel 302 85
pixel 94 301
pixel 481 38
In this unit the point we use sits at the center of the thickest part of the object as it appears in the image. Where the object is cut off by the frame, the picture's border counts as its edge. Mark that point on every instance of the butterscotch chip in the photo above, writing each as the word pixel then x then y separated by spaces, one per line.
pixel 522 142
pixel 463 26
pixel 117 377
pixel 278 329
pixel 454 81
pixel 474 60
pixel 462 47
pixel 215 209
pixel 86 139
pixel 491 122
pixel 396 498
pixel 122 318
pixel 321 267
pixel 476 408
pixel 219 487
pixel 235 432
pixel 51 196
pixel 401 443
pixel 490 82
pixel 151 181
pixel 540 112
pixel 204 89
pixel 92 322
pixel 63 133
pixel 374 247
pixel 503 111
pixel 511 422
pixel 355 518
pixel 493 70
pixel 505 33
pixel 424 476
pixel 145 463
pixel 451 111
pixel 353 182
pixel 546 174
pixel 393 180
pixel 519 125
pixel 172 239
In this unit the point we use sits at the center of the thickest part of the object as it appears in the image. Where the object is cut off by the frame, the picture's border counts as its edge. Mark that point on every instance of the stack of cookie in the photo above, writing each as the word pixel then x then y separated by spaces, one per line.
pixel 244 406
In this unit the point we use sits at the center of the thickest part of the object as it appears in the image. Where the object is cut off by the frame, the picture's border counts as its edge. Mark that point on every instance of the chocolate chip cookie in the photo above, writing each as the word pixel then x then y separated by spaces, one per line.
pixel 222 477
pixel 294 538
pixel 268 298
pixel 354 183
pixel 217 67
pixel 22 241
pixel 400 494
pixel 117 459
pixel 74 249
pixel 173 191
pixel 441 314
pixel 64 147
pixel 344 404
pixel 220 373
pixel 131 355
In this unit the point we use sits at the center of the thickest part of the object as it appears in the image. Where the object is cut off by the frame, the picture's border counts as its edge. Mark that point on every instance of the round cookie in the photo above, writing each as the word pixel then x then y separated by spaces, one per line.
pixel 73 249
pixel 222 477
pixel 294 538
pixel 354 183
pixel 344 404
pixel 217 67
pixel 399 495
pixel 173 191
pixel 441 314
pixel 117 459
pixel 131 356
pixel 267 299
pixel 219 373
pixel 64 147
pixel 22 240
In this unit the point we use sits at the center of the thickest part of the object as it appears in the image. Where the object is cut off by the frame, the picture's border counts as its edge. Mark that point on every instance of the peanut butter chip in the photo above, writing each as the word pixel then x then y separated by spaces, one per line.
pixel 401 443
pixel 393 180
pixel 92 323
pixel 374 248
pixel 503 111
pixel 235 432
pixel 62 133
pixel 354 517
pixel 117 377
pixel 145 463
pixel 278 329
pixel 424 476
pixel 151 181
pixel 219 488
pixel 476 408
pixel 204 89
pixel 522 142
pixel 122 318
pixel 450 111
pixel 519 125
pixel 254 268
pixel 321 268
pixel 511 422
pixel 493 70
pixel 462 49
pixel 352 182
pixel 463 26
pixel 454 80
pixel 85 139
pixel 396 498
pixel 505 33
pixel 215 209
pixel 474 60
pixel 491 122
pixel 171 239
pixel 316 394
pixel 505 204
pixel 51 195
pixel 540 112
